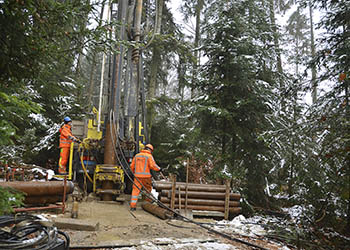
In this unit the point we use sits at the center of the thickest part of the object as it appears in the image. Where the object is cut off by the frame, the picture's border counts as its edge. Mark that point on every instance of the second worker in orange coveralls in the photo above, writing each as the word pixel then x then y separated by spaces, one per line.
pixel 66 138
pixel 141 166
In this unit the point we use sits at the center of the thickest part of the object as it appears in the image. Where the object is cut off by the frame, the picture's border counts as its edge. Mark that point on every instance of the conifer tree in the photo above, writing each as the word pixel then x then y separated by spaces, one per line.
pixel 234 111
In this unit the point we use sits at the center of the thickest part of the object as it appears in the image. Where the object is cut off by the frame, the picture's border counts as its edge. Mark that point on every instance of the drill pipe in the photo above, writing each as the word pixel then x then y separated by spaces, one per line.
pixel 233 210
pixel 39 200
pixel 202 188
pixel 167 183
pixel 156 210
pixel 200 202
pixel 40 188
pixel 107 185
pixel 202 195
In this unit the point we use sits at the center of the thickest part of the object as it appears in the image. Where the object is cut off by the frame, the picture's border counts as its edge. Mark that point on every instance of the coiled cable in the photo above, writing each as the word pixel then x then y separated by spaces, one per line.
pixel 22 231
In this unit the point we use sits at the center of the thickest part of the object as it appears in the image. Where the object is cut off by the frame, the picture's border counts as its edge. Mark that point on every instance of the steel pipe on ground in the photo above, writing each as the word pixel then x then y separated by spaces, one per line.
pixel 166 183
pixel 202 195
pixel 201 202
pixel 233 210
pixel 39 188
pixel 192 188
pixel 156 210
pixel 31 200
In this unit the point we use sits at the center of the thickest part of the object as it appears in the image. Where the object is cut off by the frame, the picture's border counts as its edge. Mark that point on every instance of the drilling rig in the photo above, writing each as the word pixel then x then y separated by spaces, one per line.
pixel 116 130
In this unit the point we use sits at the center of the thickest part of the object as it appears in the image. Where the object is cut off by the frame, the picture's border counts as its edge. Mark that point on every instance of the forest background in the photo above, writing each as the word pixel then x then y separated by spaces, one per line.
pixel 227 94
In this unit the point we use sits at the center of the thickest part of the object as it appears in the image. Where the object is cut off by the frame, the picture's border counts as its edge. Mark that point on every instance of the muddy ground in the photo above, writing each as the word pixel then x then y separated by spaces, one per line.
pixel 118 227
pixel 118 223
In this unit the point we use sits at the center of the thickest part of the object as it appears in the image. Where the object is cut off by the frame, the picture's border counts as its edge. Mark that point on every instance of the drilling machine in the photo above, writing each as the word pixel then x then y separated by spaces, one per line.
pixel 116 131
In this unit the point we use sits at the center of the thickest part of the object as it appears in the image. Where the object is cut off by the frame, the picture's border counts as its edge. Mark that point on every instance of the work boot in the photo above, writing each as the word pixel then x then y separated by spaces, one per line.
pixel 133 209
pixel 62 170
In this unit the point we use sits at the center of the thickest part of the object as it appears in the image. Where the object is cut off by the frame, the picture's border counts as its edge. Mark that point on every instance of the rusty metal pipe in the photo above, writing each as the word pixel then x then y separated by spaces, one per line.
pixel 156 210
pixel 20 210
pixel 109 154
pixel 107 185
pixel 39 188
pixel 201 202
pixel 167 184
pixel 40 200
pixel 233 210
pixel 203 195
pixel 192 188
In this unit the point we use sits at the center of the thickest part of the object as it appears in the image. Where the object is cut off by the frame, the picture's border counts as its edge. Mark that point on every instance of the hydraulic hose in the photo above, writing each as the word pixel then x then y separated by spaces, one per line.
pixel 144 191
pixel 29 232
pixel 83 166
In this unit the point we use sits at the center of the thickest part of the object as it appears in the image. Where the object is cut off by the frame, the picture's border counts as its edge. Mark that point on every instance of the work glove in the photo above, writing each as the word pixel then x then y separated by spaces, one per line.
pixel 77 140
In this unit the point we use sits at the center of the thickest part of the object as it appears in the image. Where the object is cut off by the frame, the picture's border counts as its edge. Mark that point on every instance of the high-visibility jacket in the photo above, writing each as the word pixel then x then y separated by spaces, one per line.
pixel 66 136
pixel 142 164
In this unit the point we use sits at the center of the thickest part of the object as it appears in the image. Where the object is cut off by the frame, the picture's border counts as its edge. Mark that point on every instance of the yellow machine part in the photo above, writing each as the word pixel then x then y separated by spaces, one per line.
pixel 70 164
pixel 92 132
pixel 114 173
pixel 141 134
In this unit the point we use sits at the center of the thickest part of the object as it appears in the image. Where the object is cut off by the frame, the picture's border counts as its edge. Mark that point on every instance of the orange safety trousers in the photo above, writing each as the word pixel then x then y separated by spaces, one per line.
pixel 64 154
pixel 146 182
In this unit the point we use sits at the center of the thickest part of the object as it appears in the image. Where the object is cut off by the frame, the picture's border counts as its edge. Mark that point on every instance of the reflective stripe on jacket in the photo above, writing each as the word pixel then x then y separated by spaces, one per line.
pixel 142 163
pixel 66 136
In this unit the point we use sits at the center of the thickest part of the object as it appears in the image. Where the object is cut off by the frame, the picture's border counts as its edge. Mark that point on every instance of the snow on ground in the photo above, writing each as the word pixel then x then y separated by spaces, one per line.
pixel 186 245
pixel 240 225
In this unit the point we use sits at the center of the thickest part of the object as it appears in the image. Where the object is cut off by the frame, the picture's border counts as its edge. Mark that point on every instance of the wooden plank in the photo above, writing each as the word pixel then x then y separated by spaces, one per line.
pixel 173 189
pixel 227 199
pixel 186 190
pixel 179 199
pixel 75 224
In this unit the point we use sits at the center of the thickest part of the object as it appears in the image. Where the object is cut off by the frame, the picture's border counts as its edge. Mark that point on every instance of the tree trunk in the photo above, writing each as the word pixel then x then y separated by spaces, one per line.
pixel 93 64
pixel 197 38
pixel 256 184
pixel 348 156
pixel 313 55
pixel 275 36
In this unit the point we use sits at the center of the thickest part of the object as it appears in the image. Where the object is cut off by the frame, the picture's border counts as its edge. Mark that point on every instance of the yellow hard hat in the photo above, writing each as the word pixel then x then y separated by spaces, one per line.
pixel 149 146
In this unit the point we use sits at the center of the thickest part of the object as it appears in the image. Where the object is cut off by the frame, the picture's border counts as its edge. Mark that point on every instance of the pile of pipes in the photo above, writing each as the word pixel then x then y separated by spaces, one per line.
pixel 199 197
pixel 41 192
pixel 24 172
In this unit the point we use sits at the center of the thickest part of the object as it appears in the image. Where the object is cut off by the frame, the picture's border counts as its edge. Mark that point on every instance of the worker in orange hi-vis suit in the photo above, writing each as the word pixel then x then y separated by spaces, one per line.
pixel 141 166
pixel 66 138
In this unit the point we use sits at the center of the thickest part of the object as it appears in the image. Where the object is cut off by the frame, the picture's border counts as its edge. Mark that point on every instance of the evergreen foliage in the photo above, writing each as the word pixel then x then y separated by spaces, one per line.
pixel 249 121
pixel 39 81
pixel 236 108
pixel 10 198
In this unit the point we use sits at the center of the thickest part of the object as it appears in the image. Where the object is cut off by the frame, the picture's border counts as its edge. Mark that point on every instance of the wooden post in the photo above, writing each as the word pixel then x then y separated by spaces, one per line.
pixel 173 190
pixel 186 196
pixel 180 198
pixel 227 199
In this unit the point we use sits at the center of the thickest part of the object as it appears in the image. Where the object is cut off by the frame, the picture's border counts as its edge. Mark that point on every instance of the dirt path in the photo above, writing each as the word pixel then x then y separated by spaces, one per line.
pixel 123 229
pixel 117 223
